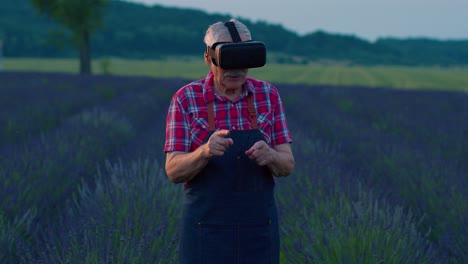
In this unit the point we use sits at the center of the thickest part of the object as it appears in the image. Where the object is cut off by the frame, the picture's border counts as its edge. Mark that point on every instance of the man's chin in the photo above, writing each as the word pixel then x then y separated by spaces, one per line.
pixel 238 83
pixel 233 84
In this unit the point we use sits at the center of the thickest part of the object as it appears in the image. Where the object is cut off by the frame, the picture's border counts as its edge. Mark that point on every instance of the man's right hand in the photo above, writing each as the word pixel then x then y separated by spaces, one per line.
pixel 217 144
pixel 183 166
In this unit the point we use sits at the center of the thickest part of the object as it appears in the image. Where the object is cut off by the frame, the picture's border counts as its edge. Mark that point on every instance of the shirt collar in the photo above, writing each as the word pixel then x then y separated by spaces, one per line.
pixel 208 91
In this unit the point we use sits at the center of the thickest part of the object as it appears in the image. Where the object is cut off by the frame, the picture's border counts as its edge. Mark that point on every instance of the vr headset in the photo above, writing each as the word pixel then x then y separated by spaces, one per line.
pixel 238 54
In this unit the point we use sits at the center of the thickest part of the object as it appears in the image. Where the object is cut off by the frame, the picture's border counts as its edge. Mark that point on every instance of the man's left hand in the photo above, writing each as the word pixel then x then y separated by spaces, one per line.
pixel 261 153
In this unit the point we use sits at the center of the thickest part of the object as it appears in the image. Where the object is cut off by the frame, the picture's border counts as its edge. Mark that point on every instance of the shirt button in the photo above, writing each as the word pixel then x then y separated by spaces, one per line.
pixel 233 128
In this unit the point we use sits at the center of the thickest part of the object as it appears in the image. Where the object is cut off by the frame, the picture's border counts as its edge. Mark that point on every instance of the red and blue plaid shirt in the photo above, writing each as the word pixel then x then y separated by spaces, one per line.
pixel 187 119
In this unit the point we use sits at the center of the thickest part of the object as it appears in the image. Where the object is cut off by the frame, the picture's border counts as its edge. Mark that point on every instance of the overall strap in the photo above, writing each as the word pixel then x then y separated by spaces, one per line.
pixel 252 111
pixel 211 121
pixel 252 114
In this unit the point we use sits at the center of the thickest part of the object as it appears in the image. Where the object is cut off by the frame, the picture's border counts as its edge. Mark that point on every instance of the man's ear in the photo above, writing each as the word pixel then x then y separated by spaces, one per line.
pixel 207 59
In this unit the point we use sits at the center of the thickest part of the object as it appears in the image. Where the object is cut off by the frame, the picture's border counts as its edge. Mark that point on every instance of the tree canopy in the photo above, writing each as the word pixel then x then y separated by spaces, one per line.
pixel 81 17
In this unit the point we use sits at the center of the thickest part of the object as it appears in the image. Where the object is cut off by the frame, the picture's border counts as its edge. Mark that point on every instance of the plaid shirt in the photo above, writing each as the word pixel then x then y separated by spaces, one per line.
pixel 187 119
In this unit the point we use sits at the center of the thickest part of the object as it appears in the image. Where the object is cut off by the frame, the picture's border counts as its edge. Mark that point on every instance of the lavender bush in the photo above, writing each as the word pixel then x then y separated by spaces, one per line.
pixel 408 146
pixel 337 220
pixel 31 103
pixel 129 217
pixel 335 229
pixel 42 175
pixel 15 237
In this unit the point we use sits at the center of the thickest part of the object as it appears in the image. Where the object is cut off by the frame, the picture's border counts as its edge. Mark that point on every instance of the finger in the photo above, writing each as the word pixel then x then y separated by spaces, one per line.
pixel 223 142
pixel 217 152
pixel 220 144
pixel 217 149
pixel 256 146
pixel 218 137
pixel 221 133
pixel 226 142
pixel 250 151
pixel 260 144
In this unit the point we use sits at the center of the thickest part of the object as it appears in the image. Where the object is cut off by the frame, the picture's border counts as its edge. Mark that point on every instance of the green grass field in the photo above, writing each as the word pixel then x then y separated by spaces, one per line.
pixel 194 68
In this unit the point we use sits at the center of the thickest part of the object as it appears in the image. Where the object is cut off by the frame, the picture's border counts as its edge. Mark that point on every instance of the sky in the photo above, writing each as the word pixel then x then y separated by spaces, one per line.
pixel 368 19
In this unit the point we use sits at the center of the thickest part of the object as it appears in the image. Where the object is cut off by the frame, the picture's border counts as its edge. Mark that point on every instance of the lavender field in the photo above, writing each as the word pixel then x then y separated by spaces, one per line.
pixel 381 174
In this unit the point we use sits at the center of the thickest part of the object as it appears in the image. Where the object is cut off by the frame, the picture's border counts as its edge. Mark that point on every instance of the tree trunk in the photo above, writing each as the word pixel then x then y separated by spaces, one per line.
pixel 85 56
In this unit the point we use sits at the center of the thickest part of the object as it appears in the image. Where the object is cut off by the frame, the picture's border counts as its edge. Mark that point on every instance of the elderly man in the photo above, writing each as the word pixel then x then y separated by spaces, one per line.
pixel 227 139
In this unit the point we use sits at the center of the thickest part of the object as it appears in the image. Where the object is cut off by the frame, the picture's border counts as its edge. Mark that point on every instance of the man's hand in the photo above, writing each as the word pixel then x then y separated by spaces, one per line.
pixel 261 153
pixel 183 166
pixel 217 144
pixel 279 158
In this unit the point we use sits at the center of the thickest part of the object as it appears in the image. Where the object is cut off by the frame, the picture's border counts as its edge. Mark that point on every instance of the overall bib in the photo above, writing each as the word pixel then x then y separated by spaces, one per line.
pixel 230 213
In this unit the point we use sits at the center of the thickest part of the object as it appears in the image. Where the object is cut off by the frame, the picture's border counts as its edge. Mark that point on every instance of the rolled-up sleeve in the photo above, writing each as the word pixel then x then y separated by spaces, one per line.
pixel 177 126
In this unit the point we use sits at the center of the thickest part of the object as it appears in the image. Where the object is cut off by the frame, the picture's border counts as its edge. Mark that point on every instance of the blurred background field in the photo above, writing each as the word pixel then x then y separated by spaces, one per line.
pixel 190 67
pixel 381 173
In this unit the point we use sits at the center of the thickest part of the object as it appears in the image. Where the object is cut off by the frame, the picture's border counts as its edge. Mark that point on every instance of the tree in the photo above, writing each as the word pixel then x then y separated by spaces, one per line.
pixel 81 17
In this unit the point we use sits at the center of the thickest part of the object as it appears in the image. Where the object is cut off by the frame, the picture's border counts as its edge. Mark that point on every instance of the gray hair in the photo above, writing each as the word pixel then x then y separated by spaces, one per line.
pixel 218 32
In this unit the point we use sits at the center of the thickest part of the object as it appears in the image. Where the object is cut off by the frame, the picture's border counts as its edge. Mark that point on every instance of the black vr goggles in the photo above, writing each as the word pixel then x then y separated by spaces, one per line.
pixel 238 54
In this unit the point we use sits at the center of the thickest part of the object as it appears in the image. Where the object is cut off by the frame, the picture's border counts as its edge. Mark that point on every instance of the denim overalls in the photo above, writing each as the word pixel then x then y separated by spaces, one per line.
pixel 230 213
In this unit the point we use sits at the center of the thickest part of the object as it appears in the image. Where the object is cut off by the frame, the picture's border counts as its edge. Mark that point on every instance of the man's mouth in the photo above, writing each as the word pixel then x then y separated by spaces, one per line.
pixel 234 74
